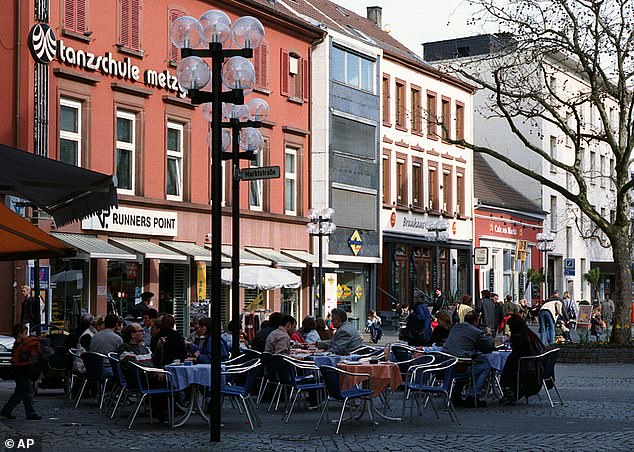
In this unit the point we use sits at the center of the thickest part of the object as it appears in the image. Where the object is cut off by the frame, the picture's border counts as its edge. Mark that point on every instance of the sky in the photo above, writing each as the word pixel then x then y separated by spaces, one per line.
pixel 416 21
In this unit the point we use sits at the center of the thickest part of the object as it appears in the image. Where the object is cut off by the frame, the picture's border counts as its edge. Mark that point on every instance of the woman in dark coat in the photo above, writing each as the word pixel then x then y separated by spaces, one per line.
pixel 418 329
pixel 523 343
pixel 168 345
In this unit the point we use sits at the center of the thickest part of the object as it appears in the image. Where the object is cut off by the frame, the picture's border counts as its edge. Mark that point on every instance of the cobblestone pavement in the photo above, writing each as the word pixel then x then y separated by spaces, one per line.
pixel 597 416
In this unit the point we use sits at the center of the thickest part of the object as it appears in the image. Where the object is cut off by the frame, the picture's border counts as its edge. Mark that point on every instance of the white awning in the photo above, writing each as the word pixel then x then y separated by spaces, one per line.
pixel 188 249
pixel 311 259
pixel 278 258
pixel 147 250
pixel 93 248
pixel 264 278
pixel 246 258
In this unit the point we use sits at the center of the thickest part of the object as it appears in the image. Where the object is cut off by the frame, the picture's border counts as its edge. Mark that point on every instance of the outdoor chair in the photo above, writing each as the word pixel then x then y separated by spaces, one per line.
pixel 548 360
pixel 404 366
pixel 243 379
pixel 149 384
pixel 94 374
pixel 430 380
pixel 299 376
pixel 367 351
pixel 74 376
pixel 333 377
pixel 401 352
pixel 120 391
pixel 270 378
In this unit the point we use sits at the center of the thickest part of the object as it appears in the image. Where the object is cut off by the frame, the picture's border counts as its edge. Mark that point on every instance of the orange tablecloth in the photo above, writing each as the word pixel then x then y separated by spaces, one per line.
pixel 382 375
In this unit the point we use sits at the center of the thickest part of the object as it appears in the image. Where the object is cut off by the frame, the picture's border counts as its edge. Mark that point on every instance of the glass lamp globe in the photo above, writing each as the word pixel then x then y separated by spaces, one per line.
pixel 238 73
pixel 313 214
pixel 247 33
pixel 327 213
pixel 251 139
pixel 329 228
pixel 232 111
pixel 186 32
pixel 193 73
pixel 226 140
pixel 215 26
pixel 312 228
pixel 258 109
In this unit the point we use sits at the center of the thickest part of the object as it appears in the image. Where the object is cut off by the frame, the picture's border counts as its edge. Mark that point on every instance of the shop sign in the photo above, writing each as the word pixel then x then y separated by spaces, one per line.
pixel 520 250
pixel 331 292
pixel 498 229
pixel 355 242
pixel 481 256
pixel 44 47
pixel 358 292
pixel 133 221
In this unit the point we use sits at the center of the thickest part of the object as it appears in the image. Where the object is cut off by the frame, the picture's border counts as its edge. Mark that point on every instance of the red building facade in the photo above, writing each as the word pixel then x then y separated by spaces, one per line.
pixel 109 101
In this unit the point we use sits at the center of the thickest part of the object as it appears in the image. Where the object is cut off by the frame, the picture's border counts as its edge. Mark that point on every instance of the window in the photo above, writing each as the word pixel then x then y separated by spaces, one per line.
pixel 386 179
pixel 354 138
pixel 553 153
pixel 612 168
pixel 256 186
pixel 432 116
pixel 130 24
pixel 401 183
pixel 75 15
pixel 459 121
pixel 432 188
pixel 593 167
pixel 446 118
pixel 290 182
pixel 386 99
pixel 568 241
pixel 295 76
pixel 174 153
pixel 417 180
pixel 553 213
pixel 603 174
pixel 261 64
pixel 506 269
pixel 582 271
pixel 447 186
pixel 400 104
pixel 460 193
pixel 125 152
pixel 416 111
pixel 70 132
pixel 352 69
pixel 175 53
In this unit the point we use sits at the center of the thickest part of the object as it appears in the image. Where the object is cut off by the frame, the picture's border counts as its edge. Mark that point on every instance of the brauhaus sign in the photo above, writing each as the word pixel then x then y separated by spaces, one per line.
pixel 44 45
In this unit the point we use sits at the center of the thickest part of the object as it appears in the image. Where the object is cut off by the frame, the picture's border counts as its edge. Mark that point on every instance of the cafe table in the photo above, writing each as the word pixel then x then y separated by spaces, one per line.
pixel 192 380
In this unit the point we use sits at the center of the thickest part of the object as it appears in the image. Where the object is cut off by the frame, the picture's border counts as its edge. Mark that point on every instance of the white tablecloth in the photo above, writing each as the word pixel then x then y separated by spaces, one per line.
pixel 199 374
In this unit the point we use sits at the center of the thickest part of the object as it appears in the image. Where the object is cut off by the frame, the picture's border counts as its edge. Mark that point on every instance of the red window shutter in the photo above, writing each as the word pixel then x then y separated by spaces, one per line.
pixel 285 73
pixel 174 51
pixel 264 62
pixel 125 23
pixel 135 24
pixel 69 14
pixel 305 79
pixel 81 16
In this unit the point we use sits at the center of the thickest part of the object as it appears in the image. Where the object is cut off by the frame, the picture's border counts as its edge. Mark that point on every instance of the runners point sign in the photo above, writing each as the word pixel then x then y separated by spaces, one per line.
pixel 44 47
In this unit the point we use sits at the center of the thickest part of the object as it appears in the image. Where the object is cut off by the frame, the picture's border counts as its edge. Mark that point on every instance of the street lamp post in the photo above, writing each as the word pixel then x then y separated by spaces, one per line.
pixel 213 29
pixel 545 243
pixel 321 225
pixel 439 227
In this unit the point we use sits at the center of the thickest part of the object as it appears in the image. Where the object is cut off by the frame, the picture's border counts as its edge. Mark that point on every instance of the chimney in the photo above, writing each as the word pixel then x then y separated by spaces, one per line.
pixel 374 14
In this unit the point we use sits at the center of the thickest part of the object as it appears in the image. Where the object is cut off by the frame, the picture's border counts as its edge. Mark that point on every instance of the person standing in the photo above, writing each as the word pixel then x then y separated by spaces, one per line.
pixel 25 354
pixel 139 309
pixel 30 313
pixel 607 310
pixel 490 312
pixel 418 328
pixel 548 313
pixel 439 301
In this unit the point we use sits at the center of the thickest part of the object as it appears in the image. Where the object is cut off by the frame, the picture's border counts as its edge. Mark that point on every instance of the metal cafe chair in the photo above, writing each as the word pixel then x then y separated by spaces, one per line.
pixel 548 360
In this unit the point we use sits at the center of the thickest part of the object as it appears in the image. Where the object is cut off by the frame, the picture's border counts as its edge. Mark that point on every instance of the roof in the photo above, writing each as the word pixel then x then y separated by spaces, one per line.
pixel 491 190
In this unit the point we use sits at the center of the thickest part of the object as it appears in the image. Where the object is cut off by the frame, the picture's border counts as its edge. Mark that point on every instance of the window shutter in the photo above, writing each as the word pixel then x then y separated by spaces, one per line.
pixel 261 63
pixel 285 72
pixel 135 24
pixel 125 23
pixel 69 14
pixel 81 16
pixel 305 79
pixel 174 51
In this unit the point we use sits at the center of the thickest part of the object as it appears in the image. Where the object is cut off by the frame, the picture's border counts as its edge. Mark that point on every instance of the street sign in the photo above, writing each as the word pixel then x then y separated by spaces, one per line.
pixel 569 267
pixel 520 250
pixel 264 172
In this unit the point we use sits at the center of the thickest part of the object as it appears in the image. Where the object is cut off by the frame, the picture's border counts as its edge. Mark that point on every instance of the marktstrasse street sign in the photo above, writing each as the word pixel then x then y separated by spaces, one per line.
pixel 265 172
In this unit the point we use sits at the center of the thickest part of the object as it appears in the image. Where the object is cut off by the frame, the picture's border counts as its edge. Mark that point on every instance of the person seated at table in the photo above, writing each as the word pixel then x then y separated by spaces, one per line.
pixel 106 341
pixel 149 315
pixel 524 342
pixel 320 326
pixel 296 337
pixel 201 352
pixel 346 338
pixel 309 330
pixel 259 340
pixel 279 341
pixel 441 332
pixel 168 345
pixel 465 340
pixel 228 335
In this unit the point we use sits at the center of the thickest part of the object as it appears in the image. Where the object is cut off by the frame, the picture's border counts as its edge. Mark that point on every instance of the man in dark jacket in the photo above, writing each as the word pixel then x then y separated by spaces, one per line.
pixel 491 313
pixel 439 301
pixel 466 340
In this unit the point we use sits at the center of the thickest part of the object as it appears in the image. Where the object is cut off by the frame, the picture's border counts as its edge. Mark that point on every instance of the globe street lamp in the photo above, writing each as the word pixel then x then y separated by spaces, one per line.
pixel 440 228
pixel 321 225
pixel 545 243
pixel 212 30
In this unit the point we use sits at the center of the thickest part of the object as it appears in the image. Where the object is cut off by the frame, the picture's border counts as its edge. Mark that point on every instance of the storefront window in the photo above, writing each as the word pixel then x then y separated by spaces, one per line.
pixel 352 295
pixel 69 292
pixel 125 283
pixel 290 303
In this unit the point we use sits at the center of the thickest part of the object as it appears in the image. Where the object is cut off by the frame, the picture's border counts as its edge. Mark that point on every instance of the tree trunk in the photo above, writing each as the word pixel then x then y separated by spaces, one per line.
pixel 622 296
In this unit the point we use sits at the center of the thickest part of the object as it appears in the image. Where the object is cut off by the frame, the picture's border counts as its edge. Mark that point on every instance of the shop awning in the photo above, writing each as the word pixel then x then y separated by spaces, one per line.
pixel 64 191
pixel 19 239
pixel 278 258
pixel 246 258
pixel 263 278
pixel 147 250
pixel 189 249
pixel 308 258
pixel 89 246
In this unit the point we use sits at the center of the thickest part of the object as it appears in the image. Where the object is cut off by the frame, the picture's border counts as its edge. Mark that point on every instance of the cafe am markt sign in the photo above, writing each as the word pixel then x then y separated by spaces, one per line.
pixel 133 221
pixel 45 47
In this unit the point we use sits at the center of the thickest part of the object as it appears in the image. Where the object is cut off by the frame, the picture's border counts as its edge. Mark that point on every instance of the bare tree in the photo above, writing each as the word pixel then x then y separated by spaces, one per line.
pixel 567 65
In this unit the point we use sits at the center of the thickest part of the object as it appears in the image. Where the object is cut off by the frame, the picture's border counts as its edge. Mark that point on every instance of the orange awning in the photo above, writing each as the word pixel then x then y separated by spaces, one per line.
pixel 19 239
